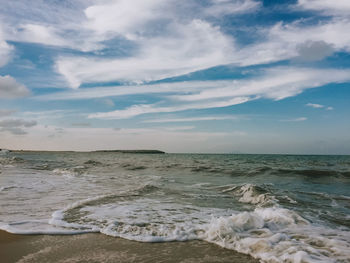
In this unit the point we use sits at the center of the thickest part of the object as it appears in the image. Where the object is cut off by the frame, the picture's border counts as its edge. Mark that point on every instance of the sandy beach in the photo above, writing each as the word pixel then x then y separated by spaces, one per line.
pixel 101 248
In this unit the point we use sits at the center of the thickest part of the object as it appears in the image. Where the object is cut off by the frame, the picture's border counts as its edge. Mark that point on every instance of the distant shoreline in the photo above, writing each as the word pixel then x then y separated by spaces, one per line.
pixel 133 151
pixel 98 151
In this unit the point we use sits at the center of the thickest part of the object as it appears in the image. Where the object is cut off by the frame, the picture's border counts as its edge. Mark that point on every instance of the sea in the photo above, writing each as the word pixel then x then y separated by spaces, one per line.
pixel 276 208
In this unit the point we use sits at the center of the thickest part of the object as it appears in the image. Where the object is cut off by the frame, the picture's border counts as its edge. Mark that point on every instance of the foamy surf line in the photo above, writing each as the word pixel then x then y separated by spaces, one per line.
pixel 271 234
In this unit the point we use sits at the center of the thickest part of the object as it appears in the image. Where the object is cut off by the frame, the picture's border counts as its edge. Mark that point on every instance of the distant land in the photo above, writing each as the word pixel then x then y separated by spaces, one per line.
pixel 115 151
pixel 132 151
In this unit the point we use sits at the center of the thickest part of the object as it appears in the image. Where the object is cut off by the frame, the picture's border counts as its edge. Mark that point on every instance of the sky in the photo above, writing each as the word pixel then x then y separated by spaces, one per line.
pixel 184 76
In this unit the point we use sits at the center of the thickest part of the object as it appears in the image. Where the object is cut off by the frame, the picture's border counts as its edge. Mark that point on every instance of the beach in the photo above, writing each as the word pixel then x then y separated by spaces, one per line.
pixel 101 248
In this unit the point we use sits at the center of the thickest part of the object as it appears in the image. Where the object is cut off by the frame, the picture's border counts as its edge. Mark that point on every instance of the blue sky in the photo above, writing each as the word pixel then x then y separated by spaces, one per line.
pixel 213 76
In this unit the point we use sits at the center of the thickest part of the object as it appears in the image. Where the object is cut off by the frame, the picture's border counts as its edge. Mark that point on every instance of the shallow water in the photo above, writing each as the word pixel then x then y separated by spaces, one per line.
pixel 276 208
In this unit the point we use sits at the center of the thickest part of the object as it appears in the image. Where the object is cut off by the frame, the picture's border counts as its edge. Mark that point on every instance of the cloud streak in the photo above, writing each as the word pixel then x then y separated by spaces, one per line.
pixel 318 106
pixel 136 110
pixel 195 119
pixel 296 119
pixel 273 83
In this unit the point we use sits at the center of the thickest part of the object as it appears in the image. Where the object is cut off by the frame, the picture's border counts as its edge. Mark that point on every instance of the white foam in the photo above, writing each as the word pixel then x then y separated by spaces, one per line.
pixel 37 227
pixel 250 194
pixel 279 235
pixel 271 234
pixel 65 173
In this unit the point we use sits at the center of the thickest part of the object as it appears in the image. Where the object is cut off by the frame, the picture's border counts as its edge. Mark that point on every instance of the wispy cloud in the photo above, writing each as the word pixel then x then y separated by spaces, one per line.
pixel 272 83
pixel 318 106
pixel 314 105
pixel 220 8
pixel 296 119
pixel 341 7
pixel 189 39
pixel 275 83
pixel 209 118
pixel 191 47
pixel 136 110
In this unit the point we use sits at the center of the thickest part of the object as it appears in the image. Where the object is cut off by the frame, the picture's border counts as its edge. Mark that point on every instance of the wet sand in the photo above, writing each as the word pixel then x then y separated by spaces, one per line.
pixel 102 248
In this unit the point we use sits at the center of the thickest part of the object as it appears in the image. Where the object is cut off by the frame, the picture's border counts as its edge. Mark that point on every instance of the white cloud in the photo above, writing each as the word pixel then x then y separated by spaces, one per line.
pixel 330 32
pixel 276 83
pixel 136 110
pixel 296 40
pixel 40 34
pixel 50 23
pixel 318 106
pixel 6 50
pixel 195 46
pixel 227 7
pixel 195 119
pixel 122 16
pixel 326 6
pixel 272 83
pixel 101 92
pixel 296 119
pixel 314 105
pixel 10 88
pixel 199 45
pixel 185 42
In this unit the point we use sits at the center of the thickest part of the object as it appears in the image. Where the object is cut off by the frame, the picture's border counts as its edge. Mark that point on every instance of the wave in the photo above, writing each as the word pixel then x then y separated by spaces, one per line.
pixel 279 235
pixel 10 160
pixel 93 163
pixel 251 194
pixel 132 167
pixel 70 172
pixel 311 172
pixel 271 234
pixel 259 171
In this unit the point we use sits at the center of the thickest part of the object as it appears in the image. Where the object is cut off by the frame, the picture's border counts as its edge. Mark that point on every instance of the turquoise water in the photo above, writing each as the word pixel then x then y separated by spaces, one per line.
pixel 277 208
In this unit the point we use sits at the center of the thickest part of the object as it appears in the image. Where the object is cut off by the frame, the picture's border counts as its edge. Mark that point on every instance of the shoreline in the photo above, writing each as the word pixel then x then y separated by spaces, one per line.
pixel 96 247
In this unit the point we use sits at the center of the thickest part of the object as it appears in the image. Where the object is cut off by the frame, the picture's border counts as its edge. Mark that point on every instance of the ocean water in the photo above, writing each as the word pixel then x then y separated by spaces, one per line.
pixel 276 208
